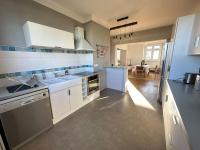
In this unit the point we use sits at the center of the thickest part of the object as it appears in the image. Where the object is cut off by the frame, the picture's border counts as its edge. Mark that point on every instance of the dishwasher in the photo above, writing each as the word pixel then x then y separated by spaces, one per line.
pixel 25 117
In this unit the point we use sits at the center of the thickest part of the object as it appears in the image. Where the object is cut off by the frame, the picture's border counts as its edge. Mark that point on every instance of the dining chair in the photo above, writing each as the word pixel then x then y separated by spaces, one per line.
pixel 156 72
pixel 140 70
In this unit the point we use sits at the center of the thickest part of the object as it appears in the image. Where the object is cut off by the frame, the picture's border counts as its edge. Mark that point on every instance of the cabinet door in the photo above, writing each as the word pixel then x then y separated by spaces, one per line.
pixel 179 140
pixel 60 104
pixel 168 124
pixel 76 98
pixel 41 35
pixel 195 37
pixel 102 77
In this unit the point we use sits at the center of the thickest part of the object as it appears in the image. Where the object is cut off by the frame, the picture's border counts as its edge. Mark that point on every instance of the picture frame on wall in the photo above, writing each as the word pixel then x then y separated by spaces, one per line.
pixel 101 50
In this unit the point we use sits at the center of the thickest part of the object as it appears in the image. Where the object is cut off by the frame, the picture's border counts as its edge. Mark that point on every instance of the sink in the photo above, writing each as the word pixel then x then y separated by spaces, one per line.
pixel 18 88
pixel 69 77
pixel 52 81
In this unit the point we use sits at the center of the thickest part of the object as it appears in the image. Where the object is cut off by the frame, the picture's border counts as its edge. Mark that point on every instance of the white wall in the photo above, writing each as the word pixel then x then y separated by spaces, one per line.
pixel 16 61
pixel 135 53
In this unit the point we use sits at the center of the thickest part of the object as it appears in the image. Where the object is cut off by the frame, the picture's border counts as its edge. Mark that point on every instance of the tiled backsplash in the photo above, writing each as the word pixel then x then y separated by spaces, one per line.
pixel 45 50
pixel 16 61
pixel 29 73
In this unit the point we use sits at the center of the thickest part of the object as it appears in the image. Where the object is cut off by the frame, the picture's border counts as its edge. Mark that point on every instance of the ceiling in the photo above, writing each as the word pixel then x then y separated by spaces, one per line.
pixel 148 13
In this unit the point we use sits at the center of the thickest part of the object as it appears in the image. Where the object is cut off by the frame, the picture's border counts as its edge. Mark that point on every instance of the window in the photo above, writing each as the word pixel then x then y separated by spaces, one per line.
pixel 152 52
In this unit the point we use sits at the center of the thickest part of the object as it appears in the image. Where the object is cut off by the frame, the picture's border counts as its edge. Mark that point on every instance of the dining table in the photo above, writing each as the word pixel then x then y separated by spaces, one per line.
pixel 146 68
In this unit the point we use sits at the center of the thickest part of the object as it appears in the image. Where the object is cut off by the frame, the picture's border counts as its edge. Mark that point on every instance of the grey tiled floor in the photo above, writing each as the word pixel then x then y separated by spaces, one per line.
pixel 113 122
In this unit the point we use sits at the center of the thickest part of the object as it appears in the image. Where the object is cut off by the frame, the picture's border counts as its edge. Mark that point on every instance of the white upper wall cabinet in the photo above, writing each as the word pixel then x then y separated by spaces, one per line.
pixel 37 35
pixel 194 48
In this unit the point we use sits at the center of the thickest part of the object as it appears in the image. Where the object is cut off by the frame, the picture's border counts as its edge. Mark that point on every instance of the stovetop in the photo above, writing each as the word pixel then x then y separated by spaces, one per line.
pixel 86 73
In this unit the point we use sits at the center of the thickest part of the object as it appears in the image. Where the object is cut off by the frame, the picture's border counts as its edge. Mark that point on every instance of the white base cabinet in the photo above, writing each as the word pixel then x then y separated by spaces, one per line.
pixel 65 102
pixel 60 105
pixel 175 135
pixel 67 98
pixel 75 97
pixel 116 78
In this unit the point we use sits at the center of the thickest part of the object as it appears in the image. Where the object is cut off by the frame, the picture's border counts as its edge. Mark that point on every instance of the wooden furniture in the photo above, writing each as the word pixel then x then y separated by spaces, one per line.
pixel 155 70
pixel 141 70
pixel 37 35
pixel 175 136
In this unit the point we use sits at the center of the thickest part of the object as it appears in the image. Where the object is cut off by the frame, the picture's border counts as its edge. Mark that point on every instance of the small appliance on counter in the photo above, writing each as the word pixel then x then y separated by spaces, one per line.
pixel 190 78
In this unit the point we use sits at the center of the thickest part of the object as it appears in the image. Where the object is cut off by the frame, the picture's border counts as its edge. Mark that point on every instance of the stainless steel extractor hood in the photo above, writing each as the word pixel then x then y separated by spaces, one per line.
pixel 80 42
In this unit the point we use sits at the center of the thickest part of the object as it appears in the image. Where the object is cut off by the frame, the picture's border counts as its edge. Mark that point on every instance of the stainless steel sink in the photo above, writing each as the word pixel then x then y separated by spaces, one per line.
pixel 52 81
pixel 68 77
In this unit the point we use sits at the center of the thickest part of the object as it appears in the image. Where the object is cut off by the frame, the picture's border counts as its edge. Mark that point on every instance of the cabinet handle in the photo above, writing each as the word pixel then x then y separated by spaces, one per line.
pixel 69 92
pixel 27 102
pixel 166 98
pixel 175 119
pixel 196 43
pixel 170 140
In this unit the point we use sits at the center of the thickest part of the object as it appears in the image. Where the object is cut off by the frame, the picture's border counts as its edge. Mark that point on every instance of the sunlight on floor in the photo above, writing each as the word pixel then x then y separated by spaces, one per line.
pixel 137 97
pixel 101 98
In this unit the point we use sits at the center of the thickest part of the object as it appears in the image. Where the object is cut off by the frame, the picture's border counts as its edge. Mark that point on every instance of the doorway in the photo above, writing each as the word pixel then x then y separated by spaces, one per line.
pixel 148 56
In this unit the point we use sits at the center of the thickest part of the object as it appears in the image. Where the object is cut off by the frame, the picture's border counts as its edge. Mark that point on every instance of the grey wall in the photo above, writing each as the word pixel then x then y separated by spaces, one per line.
pixel 97 34
pixel 14 13
pixel 142 36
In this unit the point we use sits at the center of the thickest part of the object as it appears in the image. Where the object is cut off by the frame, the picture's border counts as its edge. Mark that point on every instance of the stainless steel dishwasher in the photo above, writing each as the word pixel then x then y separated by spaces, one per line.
pixel 24 117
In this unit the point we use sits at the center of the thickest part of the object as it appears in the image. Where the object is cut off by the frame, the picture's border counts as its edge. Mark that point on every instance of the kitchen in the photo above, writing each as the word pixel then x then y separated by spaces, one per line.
pixel 58 89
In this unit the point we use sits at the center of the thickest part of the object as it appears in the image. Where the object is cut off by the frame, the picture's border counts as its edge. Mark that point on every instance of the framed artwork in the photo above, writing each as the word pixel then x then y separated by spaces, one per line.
pixel 101 50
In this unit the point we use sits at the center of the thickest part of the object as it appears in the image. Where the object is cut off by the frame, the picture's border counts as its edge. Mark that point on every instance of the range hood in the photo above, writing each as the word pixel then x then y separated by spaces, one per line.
pixel 80 42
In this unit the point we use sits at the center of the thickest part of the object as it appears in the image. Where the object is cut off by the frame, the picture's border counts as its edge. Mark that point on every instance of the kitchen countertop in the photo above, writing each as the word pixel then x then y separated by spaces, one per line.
pixel 87 73
pixel 4 94
pixel 188 103
pixel 117 67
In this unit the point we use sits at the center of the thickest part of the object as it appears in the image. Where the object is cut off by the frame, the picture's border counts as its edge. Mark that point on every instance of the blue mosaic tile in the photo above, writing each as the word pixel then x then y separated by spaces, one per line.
pixel 2 76
pixel 29 73
pixel 11 48
pixel 4 48
pixel 17 73
pixel 47 50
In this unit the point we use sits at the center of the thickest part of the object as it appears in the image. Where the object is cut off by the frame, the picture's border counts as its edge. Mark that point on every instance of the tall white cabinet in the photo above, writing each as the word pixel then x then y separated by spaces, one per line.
pixel 175 135
pixel 181 62
pixel 195 38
